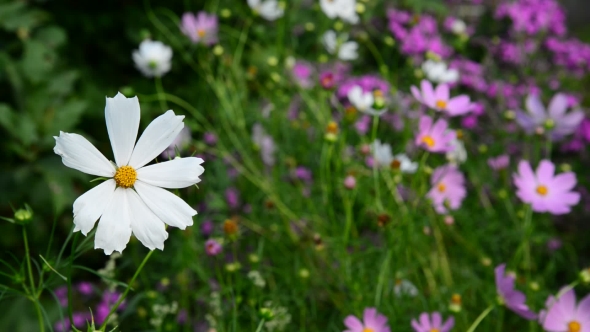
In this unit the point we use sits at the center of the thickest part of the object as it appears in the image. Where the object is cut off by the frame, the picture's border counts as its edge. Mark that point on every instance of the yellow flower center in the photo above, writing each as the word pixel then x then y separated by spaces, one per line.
pixel 542 190
pixel 434 330
pixel 125 176
pixel 366 329
pixel 441 187
pixel 395 164
pixel 428 140
pixel 574 326
pixel 441 104
pixel 201 33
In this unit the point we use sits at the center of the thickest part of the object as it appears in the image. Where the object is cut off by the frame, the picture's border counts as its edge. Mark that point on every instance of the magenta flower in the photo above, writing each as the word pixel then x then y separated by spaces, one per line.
pixel 448 188
pixel 435 137
pixel 500 162
pixel 302 72
pixel 372 322
pixel 201 28
pixel 439 99
pixel 555 119
pixel 432 322
pixel 212 247
pixel 545 191
pixel 512 298
pixel 563 315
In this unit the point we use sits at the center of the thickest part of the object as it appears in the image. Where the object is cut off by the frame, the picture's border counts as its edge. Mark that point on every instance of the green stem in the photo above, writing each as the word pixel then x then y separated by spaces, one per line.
pixel 160 91
pixel 260 325
pixel 528 225
pixel 70 293
pixel 348 211
pixel 32 291
pixel 480 318
pixel 375 166
pixel 114 308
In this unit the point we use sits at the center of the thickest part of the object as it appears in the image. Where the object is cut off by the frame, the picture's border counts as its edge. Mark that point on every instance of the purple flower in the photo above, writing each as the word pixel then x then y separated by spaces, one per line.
pixel 362 125
pixel 350 182
pixel 432 322
pixel 232 197
pixel 434 137
pixel 210 138
pixel 563 315
pixel 448 188
pixel 554 244
pixel 79 319
pixel 372 321
pixel 302 73
pixel 512 298
pixel 439 99
pixel 62 295
pixel 545 191
pixel 201 28
pixel 304 174
pixel 207 227
pixel 85 288
pixel 212 247
pixel 555 119
pixel 500 162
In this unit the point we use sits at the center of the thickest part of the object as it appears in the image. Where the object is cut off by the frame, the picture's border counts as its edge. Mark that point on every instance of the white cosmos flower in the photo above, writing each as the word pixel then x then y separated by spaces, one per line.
pixel 404 287
pixel 344 9
pixel 269 9
pixel 384 158
pixel 132 200
pixel 152 58
pixel 438 72
pixel 458 27
pixel 345 50
pixel 363 101
pixel 458 155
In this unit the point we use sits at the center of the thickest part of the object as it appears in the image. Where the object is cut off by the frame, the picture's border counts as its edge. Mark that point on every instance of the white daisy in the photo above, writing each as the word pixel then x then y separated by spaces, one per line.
pixel 384 158
pixel 439 72
pixel 132 200
pixel 152 58
pixel 344 9
pixel 345 50
pixel 458 155
pixel 269 9
pixel 363 101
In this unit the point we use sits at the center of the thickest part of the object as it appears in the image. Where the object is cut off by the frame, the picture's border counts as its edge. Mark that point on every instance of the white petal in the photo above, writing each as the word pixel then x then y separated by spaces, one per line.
pixel 122 116
pixel 330 41
pixel 90 206
pixel 77 153
pixel 156 138
pixel 114 228
pixel 173 174
pixel 146 226
pixel 348 51
pixel 170 208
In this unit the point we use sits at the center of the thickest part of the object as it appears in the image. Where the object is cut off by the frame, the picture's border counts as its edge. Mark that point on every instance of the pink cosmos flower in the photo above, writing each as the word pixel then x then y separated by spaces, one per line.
pixel 201 28
pixel 439 99
pixel 563 315
pixel 372 321
pixel 212 247
pixel 435 137
pixel 500 162
pixel 554 119
pixel 448 188
pixel 433 322
pixel 303 72
pixel 545 191
pixel 513 299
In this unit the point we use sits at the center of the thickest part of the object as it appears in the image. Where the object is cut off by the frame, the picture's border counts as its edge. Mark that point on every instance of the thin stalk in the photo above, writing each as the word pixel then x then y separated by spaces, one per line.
pixel 375 166
pixel 260 325
pixel 160 91
pixel 32 290
pixel 114 308
pixel 480 318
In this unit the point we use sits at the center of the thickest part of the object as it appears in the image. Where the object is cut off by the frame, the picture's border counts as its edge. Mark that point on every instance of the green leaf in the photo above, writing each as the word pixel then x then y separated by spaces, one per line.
pixel 15 14
pixel 38 61
pixel 52 36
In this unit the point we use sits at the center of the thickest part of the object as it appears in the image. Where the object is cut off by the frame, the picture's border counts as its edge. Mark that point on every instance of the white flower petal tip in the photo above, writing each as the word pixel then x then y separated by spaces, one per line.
pixel 170 208
pixel 158 135
pixel 146 226
pixel 173 174
pixel 78 153
pixel 114 228
pixel 122 117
